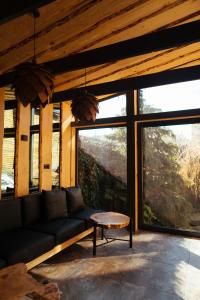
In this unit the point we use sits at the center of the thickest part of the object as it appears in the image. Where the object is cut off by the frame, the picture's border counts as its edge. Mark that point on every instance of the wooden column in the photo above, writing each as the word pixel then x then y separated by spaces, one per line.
pixel 46 118
pixel 22 150
pixel 1 129
pixel 68 149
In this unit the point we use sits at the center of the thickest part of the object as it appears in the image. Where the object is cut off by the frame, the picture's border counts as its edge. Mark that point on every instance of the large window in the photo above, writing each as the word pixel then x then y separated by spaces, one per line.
pixel 102 167
pixel 171 176
pixel 163 157
pixel 8 153
pixel 170 157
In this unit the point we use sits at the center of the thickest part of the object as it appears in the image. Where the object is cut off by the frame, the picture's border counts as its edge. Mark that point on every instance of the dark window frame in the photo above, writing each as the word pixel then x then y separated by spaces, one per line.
pixel 134 120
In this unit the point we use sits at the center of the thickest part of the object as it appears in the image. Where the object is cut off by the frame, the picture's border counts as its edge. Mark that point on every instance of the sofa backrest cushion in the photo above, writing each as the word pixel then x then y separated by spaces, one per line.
pixel 10 214
pixel 55 205
pixel 74 199
pixel 31 208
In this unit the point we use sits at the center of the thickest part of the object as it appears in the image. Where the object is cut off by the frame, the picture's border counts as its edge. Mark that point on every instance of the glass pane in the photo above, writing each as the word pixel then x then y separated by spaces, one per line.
pixel 35 116
pixel 114 107
pixel 9 93
pixel 171 173
pixel 34 161
pixel 7 177
pixel 9 118
pixel 56 159
pixel 102 171
pixel 171 97
pixel 56 113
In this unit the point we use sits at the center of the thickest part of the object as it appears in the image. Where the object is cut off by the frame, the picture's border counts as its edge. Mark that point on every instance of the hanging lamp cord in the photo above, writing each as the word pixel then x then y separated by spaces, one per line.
pixel 34 26
pixel 36 14
pixel 85 81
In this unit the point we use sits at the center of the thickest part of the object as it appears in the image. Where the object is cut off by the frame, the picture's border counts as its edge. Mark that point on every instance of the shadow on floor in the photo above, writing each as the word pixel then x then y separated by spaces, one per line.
pixel 158 266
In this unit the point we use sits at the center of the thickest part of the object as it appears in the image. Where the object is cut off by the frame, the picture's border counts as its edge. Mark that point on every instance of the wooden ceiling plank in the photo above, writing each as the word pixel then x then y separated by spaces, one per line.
pixel 123 24
pixel 156 41
pixel 88 29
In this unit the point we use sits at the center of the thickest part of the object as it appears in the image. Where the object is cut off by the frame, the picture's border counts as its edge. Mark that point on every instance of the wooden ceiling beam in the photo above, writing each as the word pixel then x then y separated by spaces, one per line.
pixel 161 40
pixel 123 85
pixel 165 39
pixel 13 9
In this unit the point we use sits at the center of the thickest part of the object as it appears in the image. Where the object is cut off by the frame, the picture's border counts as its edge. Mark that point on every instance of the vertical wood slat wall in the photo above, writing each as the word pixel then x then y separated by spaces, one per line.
pixel 22 154
pixel 46 119
pixel 22 150
pixel 1 129
pixel 67 155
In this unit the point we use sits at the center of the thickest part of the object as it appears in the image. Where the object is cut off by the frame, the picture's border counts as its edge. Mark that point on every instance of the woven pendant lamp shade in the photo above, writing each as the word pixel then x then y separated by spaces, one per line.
pixel 33 84
pixel 85 107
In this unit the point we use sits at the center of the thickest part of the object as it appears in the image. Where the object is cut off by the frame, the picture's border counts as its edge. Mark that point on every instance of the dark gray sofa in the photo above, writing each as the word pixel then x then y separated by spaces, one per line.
pixel 37 223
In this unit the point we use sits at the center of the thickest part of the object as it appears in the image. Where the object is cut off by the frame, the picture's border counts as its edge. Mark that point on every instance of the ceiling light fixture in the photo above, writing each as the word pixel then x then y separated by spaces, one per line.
pixel 84 107
pixel 33 84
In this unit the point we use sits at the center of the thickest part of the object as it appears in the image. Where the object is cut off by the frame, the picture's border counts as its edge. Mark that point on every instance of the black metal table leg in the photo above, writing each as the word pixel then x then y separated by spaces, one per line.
pixel 94 240
pixel 102 233
pixel 131 233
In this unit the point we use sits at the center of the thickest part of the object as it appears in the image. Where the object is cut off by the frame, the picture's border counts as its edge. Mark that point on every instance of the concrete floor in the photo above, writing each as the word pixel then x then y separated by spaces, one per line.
pixel 158 267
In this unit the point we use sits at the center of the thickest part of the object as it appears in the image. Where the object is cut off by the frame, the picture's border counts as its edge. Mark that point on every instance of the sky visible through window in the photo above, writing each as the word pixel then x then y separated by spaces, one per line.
pixel 113 107
pixel 171 97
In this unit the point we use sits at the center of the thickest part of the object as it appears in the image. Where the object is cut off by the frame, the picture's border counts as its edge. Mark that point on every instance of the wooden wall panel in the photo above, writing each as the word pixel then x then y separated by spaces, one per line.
pixel 22 151
pixel 46 116
pixel 1 129
pixel 67 162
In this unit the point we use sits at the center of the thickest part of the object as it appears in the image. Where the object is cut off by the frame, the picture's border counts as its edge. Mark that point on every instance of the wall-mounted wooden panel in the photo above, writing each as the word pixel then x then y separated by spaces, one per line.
pixel 1 129
pixel 46 116
pixel 22 150
pixel 67 163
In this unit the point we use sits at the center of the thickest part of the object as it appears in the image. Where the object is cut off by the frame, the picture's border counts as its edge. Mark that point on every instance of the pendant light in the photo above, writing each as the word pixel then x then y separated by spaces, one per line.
pixel 84 107
pixel 33 84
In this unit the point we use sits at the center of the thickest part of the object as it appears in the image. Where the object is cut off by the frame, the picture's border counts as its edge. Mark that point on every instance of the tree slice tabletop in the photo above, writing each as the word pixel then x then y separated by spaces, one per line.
pixel 111 219
pixel 15 283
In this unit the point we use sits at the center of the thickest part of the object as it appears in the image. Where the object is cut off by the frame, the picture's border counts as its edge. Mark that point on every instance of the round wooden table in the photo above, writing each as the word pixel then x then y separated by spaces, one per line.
pixel 110 220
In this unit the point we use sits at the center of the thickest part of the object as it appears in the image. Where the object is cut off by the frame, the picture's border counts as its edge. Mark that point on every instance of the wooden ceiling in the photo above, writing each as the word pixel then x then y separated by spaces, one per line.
pixel 68 27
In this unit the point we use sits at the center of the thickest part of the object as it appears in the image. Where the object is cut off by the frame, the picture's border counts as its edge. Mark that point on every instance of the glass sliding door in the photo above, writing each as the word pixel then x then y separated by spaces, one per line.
pixel 171 176
pixel 102 167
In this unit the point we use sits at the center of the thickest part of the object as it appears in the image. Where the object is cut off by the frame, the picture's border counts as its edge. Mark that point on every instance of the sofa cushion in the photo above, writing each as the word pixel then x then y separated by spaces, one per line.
pixel 55 205
pixel 75 201
pixel 85 215
pixel 62 229
pixel 22 245
pixel 31 208
pixel 10 214
pixel 2 263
